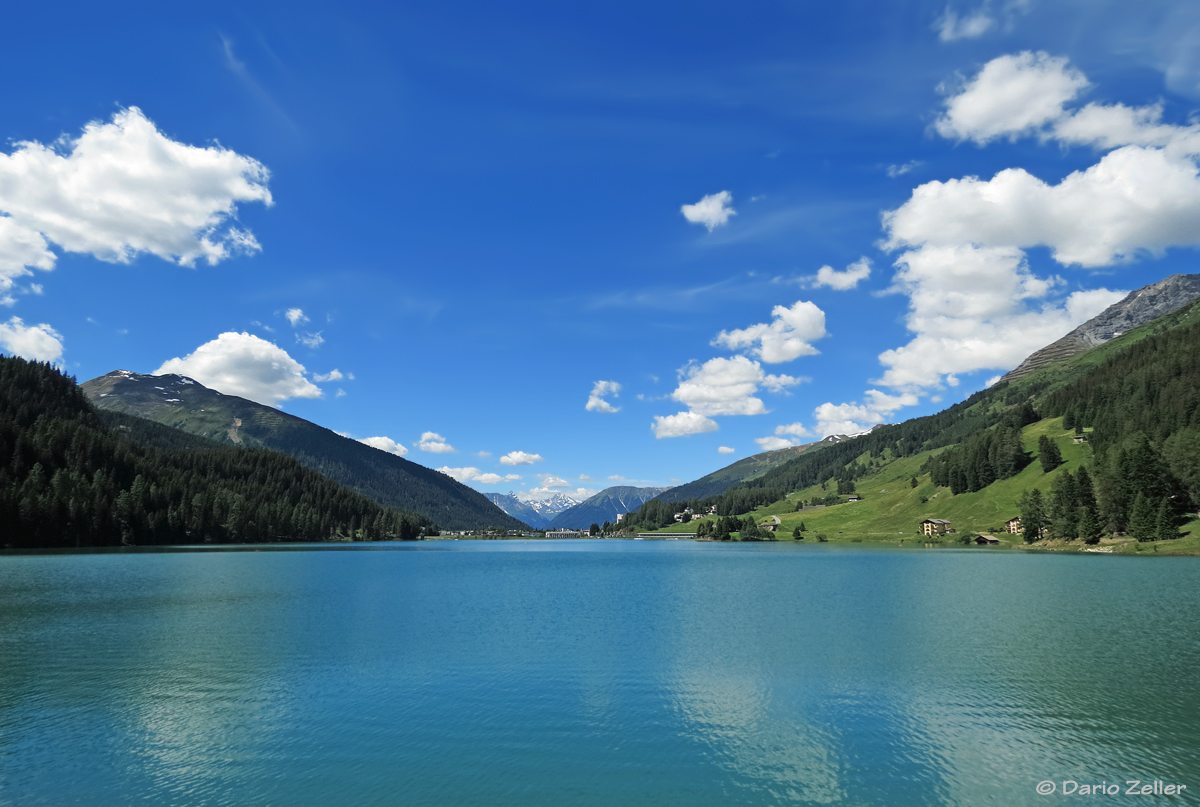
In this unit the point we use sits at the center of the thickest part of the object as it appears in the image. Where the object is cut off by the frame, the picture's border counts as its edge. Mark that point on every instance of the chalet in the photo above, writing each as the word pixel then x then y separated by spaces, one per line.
pixel 1013 525
pixel 986 539
pixel 854 499
pixel 1079 438
pixel 934 526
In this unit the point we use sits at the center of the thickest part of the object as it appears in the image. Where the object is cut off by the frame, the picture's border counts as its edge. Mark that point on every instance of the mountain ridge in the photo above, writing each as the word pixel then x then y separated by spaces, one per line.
pixel 184 403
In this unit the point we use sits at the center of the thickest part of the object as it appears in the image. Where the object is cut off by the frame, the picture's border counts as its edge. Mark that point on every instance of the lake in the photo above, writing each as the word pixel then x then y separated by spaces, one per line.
pixel 595 673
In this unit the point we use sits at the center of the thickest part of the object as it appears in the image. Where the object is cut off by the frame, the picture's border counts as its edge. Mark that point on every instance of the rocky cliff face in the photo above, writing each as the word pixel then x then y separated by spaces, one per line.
pixel 1141 306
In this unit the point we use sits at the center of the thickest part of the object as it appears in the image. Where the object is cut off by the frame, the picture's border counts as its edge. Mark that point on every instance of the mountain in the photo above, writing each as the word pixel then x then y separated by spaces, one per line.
pixel 604 506
pixel 73 477
pixel 1108 439
pixel 182 403
pixel 1138 308
pixel 536 514
pixel 745 469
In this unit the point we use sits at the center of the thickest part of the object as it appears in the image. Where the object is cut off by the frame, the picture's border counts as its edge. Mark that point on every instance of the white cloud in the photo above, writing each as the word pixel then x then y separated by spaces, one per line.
pixel 310 340
pixel 385 444
pixel 123 188
pixel 245 365
pixel 726 450
pixel 968 310
pixel 332 375
pixel 787 336
pixel 682 424
pixel 845 418
pixel 617 478
pixel 434 443
pixel 843 281
pixel 712 211
pixel 520 458
pixel 33 342
pixel 951 27
pixel 726 387
pixel 341 393
pixel 600 390
pixel 482 453
pixel 773 443
pixel 552 481
pixel 1134 200
pixel 1012 95
pixel 20 249
pixel 795 429
pixel 585 478
pixel 894 171
pixel 471 474
pixel 296 316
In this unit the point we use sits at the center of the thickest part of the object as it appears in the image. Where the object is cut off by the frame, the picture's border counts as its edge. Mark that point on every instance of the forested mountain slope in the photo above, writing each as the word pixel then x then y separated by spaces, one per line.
pixel 182 403
pixel 1135 401
pixel 70 478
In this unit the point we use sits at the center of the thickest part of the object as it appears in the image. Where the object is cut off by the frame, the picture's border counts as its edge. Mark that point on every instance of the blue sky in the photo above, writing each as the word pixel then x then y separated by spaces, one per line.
pixel 549 247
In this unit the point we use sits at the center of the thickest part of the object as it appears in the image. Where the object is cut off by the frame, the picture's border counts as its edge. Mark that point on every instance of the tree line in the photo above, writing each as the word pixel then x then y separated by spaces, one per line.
pixel 70 478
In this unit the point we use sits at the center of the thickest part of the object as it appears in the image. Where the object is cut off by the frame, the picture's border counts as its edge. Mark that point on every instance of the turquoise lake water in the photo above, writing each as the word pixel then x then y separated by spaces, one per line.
pixel 595 673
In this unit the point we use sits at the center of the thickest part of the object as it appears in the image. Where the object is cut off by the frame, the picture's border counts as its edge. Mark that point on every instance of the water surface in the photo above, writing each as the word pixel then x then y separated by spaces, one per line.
pixel 594 673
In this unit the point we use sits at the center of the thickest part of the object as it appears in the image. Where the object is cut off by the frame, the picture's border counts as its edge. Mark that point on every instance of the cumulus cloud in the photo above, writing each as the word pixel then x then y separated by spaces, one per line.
pixel 332 375
pixel 852 418
pixel 33 342
pixel 726 450
pixel 787 336
pixel 20 250
pixel 712 211
pixel 796 429
pixel 552 481
pixel 780 440
pixel 1011 96
pixel 434 443
pixel 296 316
pixel 727 387
pixel 520 458
pixel 601 390
pixel 245 365
pixel 123 188
pixel 974 302
pixel 471 474
pixel 773 443
pixel 385 444
pixel 843 281
pixel 585 478
pixel 682 424
pixel 310 340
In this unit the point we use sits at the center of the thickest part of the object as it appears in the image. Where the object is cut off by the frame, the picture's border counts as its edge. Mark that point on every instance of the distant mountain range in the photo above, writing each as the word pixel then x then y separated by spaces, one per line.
pixel 604 506
pixel 535 513
pixel 1138 308
pixel 185 404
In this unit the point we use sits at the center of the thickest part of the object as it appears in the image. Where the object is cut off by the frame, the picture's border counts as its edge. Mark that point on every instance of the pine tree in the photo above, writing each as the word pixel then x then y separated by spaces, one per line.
pixel 1090 531
pixel 1048 454
pixel 1033 515
pixel 1143 519
pixel 1165 529
pixel 1064 507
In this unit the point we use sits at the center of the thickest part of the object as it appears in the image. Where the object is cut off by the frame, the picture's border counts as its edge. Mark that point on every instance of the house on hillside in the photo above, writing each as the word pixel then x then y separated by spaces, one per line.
pixel 934 526
pixel 854 499
pixel 1079 438
pixel 1013 525
pixel 986 539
